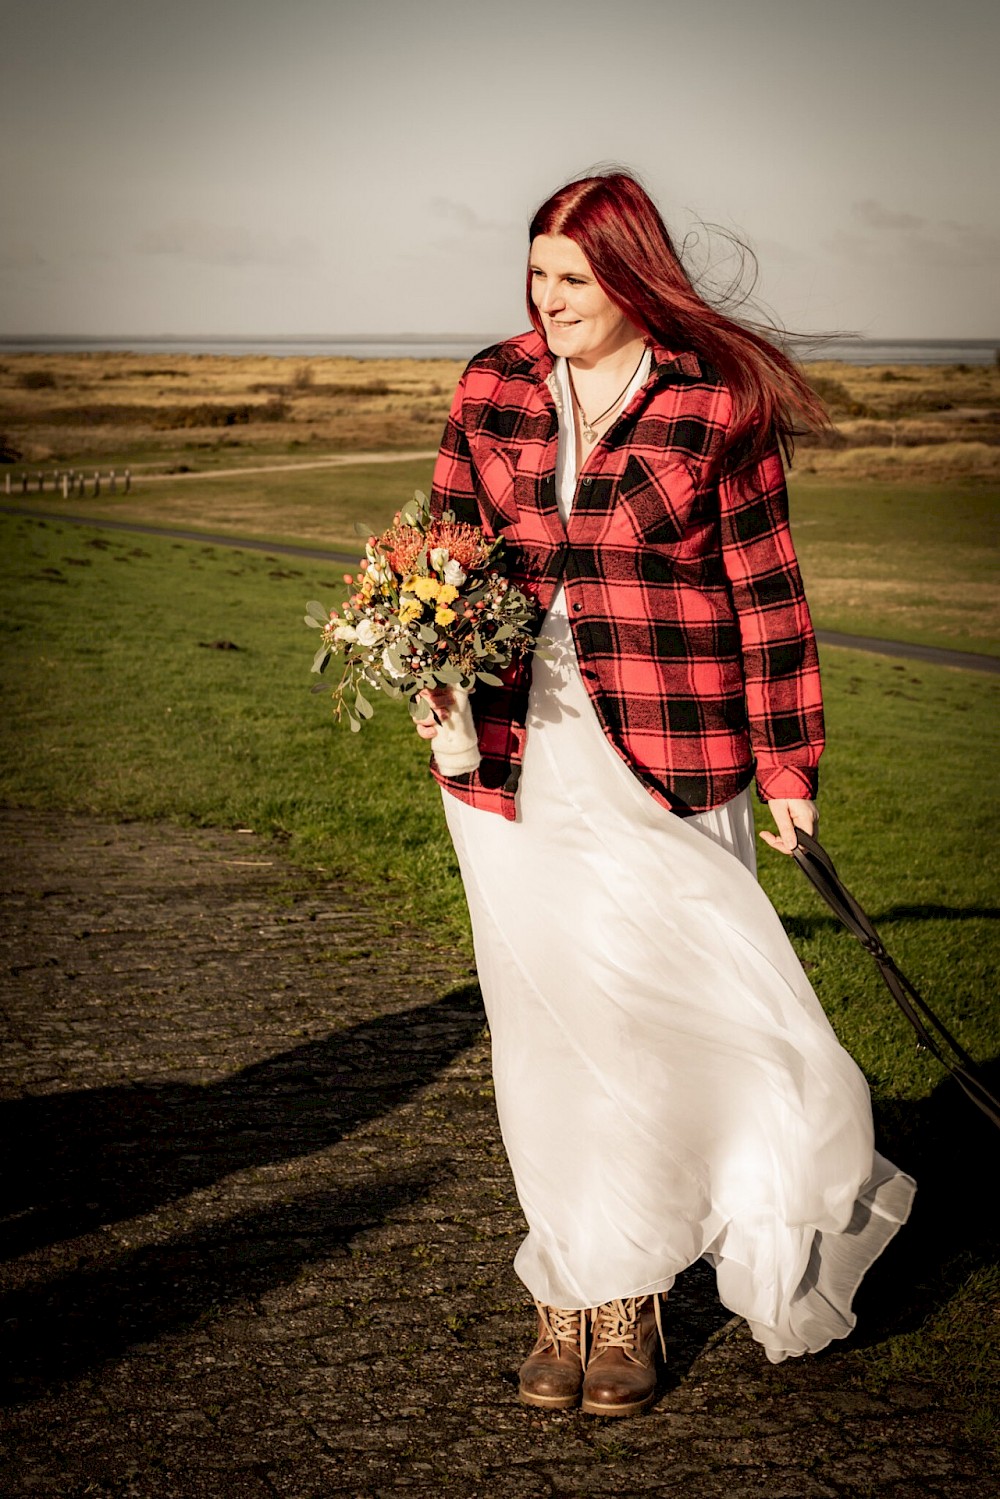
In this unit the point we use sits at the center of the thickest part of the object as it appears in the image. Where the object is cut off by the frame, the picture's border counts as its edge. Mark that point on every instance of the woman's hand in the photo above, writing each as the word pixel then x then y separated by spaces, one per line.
pixel 789 813
pixel 442 701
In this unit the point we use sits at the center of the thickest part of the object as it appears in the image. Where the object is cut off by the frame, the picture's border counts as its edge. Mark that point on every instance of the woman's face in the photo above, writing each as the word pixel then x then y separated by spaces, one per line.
pixel 580 321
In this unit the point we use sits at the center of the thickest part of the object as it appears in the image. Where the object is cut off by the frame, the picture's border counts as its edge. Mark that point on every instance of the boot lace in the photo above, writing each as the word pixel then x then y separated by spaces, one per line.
pixel 565 1327
pixel 617 1324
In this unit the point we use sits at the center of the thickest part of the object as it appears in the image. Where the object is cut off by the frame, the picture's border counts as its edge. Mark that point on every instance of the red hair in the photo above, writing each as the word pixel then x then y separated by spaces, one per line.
pixel 618 227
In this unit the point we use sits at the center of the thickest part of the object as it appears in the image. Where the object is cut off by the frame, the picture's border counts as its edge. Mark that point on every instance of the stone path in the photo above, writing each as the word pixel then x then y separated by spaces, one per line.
pixel 259 1224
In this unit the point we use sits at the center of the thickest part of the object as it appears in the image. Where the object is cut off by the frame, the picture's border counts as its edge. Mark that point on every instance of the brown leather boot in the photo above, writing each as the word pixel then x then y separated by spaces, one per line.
pixel 621 1367
pixel 552 1374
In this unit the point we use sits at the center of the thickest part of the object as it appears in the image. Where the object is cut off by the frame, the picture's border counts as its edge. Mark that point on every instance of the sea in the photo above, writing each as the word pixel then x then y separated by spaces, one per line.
pixel 973 351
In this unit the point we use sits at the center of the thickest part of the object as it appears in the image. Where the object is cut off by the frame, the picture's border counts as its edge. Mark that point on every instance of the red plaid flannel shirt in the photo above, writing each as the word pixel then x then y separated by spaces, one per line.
pixel 683 591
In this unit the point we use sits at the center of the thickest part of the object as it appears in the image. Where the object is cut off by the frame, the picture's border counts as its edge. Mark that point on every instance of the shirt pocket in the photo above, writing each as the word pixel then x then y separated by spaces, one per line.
pixel 657 500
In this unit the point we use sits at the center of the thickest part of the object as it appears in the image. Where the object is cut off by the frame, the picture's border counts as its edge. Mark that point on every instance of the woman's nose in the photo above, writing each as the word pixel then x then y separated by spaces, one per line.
pixel 552 298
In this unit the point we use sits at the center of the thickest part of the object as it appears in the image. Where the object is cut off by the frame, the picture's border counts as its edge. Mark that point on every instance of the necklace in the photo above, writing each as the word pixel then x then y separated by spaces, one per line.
pixel 590 428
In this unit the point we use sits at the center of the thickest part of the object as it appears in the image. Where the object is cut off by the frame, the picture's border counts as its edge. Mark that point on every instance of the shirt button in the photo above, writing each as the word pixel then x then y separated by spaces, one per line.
pixel 577 608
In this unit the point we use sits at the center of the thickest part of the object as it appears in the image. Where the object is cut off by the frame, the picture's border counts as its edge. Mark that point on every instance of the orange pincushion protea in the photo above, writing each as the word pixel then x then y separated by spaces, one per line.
pixel 404 544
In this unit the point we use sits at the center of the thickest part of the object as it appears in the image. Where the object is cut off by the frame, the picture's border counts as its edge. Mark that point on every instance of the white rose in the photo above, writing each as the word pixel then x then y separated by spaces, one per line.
pixel 368 633
pixel 454 573
pixel 345 632
pixel 437 557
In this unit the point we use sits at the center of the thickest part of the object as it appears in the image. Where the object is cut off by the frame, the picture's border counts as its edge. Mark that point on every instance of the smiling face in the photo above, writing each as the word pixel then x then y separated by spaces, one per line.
pixel 579 319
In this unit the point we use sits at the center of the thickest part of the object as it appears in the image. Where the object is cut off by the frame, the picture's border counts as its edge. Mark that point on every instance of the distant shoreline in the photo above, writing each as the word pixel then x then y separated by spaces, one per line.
pixel 862 351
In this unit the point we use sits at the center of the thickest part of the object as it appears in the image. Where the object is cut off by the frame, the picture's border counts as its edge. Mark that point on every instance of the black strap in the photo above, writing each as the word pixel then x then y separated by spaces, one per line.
pixel 814 861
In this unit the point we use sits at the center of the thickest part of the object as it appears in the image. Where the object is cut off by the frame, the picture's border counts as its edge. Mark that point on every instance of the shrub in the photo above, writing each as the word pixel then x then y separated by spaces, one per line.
pixel 838 398
pixel 36 380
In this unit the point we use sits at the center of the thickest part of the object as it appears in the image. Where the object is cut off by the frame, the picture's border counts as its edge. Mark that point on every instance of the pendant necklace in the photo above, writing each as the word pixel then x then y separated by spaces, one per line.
pixel 590 428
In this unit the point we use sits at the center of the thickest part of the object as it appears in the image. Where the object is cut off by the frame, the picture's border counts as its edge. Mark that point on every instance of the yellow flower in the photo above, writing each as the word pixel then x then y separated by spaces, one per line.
pixel 426 588
pixel 444 616
pixel 446 593
pixel 410 611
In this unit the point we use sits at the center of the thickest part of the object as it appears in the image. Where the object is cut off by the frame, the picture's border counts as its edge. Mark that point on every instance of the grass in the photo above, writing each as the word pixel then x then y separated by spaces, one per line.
pixel 915 562
pixel 119 702
pixel 109 641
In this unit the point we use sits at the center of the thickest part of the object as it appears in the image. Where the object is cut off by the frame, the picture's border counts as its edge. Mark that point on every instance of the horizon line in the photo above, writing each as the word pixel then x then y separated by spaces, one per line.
pixel 376 338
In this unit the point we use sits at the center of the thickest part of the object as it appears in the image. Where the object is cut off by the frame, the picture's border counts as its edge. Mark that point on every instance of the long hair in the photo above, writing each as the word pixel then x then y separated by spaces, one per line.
pixel 618 227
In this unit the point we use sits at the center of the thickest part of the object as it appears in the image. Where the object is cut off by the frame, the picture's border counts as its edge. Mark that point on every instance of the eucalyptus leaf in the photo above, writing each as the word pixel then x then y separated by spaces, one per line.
pixel 489 678
pixel 427 634
pixel 314 624
pixel 363 706
pixel 420 709
pixel 320 658
pixel 317 611
pixel 448 674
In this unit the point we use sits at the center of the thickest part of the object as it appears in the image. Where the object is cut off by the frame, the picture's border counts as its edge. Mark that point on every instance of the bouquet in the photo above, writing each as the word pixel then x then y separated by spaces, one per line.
pixel 430 608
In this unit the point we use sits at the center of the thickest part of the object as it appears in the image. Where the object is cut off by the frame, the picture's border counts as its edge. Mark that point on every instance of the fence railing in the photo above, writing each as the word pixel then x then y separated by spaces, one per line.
pixel 68 482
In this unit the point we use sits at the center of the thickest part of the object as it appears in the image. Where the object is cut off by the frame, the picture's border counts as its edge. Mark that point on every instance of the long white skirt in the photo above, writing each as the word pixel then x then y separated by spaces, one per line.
pixel 667 1084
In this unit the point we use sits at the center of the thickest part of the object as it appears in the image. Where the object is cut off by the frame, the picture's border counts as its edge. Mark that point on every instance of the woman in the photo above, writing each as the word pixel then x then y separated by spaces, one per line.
pixel 667 1084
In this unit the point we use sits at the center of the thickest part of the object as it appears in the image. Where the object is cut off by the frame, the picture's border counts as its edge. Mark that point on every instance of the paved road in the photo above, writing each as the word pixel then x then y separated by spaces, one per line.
pixel 259 1223
pixel 936 655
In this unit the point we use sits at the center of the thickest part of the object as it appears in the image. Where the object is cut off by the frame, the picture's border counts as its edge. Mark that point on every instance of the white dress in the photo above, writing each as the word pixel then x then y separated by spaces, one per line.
pixel 667 1083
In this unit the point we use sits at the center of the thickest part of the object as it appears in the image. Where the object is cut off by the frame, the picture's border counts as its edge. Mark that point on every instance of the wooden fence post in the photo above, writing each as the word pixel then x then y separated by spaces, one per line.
pixel 112 485
pixel 97 485
pixel 6 489
pixel 79 485
pixel 65 486
pixel 128 480
pixel 40 479
pixel 24 484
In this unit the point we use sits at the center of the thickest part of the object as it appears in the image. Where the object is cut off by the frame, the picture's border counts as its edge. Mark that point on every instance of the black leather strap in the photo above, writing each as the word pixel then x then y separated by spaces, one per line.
pixel 814 861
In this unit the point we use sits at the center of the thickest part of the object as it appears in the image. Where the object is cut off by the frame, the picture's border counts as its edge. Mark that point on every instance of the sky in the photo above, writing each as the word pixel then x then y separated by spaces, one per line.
pixel 264 167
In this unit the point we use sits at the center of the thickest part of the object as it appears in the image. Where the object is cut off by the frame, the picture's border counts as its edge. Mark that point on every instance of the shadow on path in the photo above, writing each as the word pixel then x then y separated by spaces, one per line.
pixel 953 1152
pixel 78 1321
pixel 98 1156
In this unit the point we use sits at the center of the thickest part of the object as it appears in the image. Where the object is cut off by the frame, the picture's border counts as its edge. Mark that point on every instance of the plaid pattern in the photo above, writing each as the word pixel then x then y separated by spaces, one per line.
pixel 682 588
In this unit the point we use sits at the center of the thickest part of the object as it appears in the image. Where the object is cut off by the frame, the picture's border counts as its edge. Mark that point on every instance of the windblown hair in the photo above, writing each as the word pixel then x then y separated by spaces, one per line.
pixel 618 227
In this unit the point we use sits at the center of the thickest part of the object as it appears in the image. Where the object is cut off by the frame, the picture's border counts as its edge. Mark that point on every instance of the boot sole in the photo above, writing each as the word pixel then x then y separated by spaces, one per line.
pixel 549 1402
pixel 633 1408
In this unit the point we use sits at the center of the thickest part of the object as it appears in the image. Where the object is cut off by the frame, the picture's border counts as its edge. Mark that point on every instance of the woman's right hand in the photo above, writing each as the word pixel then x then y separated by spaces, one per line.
pixel 442 702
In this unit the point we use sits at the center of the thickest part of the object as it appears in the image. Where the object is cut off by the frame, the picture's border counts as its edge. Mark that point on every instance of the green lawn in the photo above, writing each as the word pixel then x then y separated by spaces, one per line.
pixel 905 562
pixel 117 701
pixel 913 562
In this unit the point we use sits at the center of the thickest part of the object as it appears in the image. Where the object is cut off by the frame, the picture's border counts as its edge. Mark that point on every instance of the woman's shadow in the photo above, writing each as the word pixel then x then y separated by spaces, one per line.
pixel 83 1159
pixel 76 1161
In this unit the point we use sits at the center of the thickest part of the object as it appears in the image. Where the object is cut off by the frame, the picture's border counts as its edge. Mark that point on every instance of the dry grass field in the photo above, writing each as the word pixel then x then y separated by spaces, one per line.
pixel 163 413
pixel 180 411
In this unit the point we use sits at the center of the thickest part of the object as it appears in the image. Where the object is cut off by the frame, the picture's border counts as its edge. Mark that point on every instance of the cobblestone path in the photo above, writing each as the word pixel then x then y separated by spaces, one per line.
pixel 259 1224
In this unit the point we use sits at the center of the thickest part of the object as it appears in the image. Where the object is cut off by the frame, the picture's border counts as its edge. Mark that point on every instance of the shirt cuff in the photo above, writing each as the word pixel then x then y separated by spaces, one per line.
pixel 781 781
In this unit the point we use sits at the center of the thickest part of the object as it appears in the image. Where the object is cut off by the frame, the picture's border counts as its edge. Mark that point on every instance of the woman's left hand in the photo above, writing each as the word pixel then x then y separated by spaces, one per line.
pixel 789 813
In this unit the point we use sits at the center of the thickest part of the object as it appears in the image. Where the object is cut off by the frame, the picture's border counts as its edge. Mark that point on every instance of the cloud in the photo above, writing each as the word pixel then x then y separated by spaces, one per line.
pixel 945 244
pixel 19 255
pixel 875 215
pixel 466 218
pixel 217 244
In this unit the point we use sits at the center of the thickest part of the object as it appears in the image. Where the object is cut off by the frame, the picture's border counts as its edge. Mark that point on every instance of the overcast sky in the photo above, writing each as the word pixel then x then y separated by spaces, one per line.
pixel 347 166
